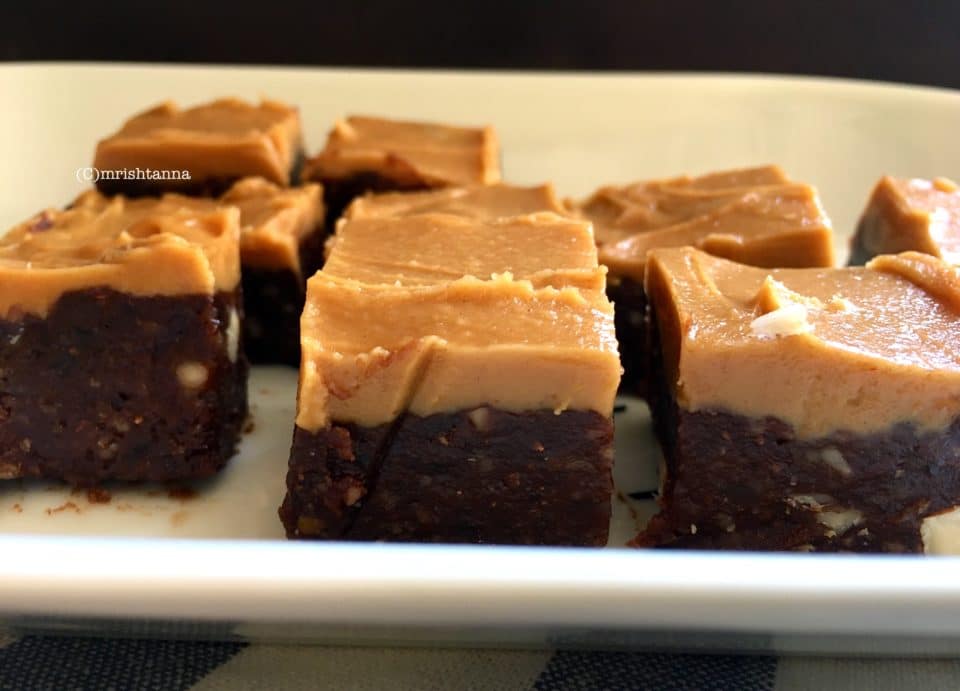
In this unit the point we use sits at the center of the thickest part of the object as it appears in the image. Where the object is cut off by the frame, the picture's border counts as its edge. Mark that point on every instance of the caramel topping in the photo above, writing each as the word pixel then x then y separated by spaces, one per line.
pixel 912 214
pixel 432 248
pixel 274 220
pixel 371 352
pixel 755 216
pixel 481 202
pixel 143 247
pixel 858 349
pixel 224 139
pixel 409 153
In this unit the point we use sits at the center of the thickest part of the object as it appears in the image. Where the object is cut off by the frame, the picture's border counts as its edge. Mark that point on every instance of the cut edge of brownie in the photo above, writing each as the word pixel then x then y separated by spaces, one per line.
pixel 478 476
pixel 339 192
pixel 117 387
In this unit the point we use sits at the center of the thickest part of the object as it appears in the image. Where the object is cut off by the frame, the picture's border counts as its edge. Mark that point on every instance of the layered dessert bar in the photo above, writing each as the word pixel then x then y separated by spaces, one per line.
pixel 439 407
pixel 804 409
pixel 756 216
pixel 477 201
pixel 910 214
pixel 365 154
pixel 201 150
pixel 281 246
pixel 467 411
pixel 120 349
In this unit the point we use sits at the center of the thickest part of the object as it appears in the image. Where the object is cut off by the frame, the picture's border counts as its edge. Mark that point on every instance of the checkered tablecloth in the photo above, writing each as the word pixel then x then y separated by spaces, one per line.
pixel 34 662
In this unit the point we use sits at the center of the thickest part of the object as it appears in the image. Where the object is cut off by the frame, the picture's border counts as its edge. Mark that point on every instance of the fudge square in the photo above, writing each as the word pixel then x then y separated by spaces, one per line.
pixel 476 201
pixel 216 143
pixel 754 215
pixel 467 411
pixel 804 409
pixel 910 214
pixel 120 352
pixel 365 154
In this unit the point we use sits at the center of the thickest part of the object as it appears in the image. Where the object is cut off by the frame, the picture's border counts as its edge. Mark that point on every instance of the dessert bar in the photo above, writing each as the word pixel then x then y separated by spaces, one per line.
pixel 755 215
pixel 467 411
pixel 120 348
pixel 365 154
pixel 910 214
pixel 201 150
pixel 804 409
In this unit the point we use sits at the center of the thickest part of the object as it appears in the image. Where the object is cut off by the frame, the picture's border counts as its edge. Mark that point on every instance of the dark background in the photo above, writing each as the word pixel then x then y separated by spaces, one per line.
pixel 904 41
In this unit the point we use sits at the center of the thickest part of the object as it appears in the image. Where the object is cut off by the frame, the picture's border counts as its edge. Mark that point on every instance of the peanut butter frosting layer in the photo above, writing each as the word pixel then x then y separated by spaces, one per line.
pixel 545 249
pixel 755 216
pixel 372 352
pixel 412 153
pixel 142 247
pixel 856 349
pixel 224 139
pixel 912 214
pixel 274 220
pixel 477 201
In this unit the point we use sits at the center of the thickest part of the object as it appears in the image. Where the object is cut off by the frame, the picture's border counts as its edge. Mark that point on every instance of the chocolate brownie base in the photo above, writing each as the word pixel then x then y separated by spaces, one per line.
pixel 630 321
pixel 197 187
pixel 111 386
pixel 273 301
pixel 338 193
pixel 483 476
pixel 734 482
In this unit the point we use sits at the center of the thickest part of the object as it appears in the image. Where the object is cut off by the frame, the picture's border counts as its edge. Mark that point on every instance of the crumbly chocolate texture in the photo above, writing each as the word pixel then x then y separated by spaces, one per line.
pixel 480 476
pixel 195 187
pixel 630 321
pixel 734 482
pixel 111 386
pixel 273 301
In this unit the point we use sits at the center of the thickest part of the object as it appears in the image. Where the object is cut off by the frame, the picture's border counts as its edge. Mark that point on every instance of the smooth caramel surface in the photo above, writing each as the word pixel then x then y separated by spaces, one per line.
pixel 142 247
pixel 224 139
pixel 855 349
pixel 409 153
pixel 371 352
pixel 477 201
pixel 912 214
pixel 544 248
pixel 274 220
pixel 755 216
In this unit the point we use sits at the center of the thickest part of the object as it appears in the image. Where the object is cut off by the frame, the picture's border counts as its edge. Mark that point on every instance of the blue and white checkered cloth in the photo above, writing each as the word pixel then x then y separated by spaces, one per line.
pixel 34 662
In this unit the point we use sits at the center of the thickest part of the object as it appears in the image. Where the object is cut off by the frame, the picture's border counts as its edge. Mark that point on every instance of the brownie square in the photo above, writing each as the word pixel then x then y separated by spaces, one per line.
pixel 201 150
pixel 755 215
pixel 465 411
pixel 120 348
pixel 909 215
pixel 804 409
pixel 365 154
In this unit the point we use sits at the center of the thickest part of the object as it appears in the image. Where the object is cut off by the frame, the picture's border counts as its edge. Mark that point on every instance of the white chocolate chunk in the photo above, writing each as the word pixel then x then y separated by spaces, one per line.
pixel 192 375
pixel 940 534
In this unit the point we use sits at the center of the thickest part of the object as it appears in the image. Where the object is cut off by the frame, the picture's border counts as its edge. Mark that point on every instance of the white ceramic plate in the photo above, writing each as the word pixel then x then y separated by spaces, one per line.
pixel 215 564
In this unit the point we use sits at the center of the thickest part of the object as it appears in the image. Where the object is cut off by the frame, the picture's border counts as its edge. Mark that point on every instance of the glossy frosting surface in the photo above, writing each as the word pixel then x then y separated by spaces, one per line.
pixel 756 216
pixel 857 349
